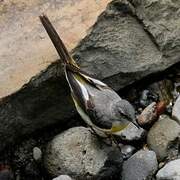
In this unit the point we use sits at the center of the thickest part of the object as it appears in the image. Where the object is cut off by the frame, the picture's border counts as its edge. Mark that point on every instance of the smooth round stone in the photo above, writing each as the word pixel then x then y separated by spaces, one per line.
pixel 140 166
pixel 63 177
pixel 163 134
pixel 76 152
pixel 171 171
pixel 127 151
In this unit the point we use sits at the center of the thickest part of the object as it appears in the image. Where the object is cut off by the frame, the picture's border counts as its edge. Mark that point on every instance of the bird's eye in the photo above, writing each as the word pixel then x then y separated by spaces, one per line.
pixel 125 115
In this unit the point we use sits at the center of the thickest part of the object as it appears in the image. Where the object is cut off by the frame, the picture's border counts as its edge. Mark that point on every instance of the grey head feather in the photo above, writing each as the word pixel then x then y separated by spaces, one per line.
pixel 124 109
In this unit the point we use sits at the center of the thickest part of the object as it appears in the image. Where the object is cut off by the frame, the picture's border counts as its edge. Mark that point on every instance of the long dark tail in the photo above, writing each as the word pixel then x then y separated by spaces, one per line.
pixel 56 40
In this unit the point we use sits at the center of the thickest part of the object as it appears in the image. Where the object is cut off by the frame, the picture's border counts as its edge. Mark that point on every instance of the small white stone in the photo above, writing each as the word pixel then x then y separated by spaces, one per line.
pixel 63 177
pixel 37 153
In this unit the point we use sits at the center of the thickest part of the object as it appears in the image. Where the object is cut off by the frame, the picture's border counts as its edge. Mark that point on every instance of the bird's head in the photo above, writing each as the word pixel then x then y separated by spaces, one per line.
pixel 126 112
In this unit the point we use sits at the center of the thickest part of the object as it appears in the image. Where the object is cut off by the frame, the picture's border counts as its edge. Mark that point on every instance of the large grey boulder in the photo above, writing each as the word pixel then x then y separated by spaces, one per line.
pixel 117 50
pixel 75 152
pixel 141 166
pixel 171 171
pixel 164 137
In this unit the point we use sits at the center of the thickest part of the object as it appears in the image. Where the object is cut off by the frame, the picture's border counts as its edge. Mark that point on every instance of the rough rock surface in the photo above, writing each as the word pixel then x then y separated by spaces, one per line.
pixel 161 19
pixel 171 171
pixel 75 152
pixel 164 135
pixel 141 166
pixel 176 110
pixel 118 50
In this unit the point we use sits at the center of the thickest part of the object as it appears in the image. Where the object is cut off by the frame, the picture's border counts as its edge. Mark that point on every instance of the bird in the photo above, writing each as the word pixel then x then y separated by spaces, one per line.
pixel 102 109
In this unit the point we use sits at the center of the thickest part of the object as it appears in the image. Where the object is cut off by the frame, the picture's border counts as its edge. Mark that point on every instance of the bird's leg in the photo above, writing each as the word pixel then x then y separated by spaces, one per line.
pixel 113 139
pixel 100 138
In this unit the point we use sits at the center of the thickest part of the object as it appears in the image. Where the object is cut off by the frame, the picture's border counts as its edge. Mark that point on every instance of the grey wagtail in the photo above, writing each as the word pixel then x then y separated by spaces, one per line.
pixel 98 105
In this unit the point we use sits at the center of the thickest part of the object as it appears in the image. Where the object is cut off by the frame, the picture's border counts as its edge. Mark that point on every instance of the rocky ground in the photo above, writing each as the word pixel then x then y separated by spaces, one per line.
pixel 151 152
pixel 134 47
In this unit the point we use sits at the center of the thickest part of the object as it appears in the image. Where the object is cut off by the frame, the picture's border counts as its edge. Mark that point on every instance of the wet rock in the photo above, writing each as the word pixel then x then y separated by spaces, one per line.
pixel 75 152
pixel 132 133
pixel 163 137
pixel 171 171
pixel 148 115
pixel 141 166
pixel 37 154
pixel 63 177
pixel 176 110
pixel 127 151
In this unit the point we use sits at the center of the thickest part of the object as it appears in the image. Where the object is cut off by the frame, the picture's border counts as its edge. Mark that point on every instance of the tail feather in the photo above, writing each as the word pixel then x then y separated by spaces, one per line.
pixel 56 40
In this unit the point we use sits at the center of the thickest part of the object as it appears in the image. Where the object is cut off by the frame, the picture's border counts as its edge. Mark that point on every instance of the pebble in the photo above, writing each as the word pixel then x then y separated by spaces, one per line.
pixel 63 177
pixel 148 115
pixel 163 136
pixel 132 133
pixel 176 110
pixel 144 98
pixel 171 171
pixel 127 151
pixel 37 154
pixel 141 166
pixel 76 152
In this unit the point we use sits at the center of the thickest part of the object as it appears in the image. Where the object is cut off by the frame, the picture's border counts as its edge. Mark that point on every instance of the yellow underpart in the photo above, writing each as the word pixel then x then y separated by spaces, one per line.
pixel 117 128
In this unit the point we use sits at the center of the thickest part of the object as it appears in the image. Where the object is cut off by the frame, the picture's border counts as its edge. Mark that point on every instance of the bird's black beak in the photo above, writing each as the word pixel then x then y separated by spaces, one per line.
pixel 136 124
